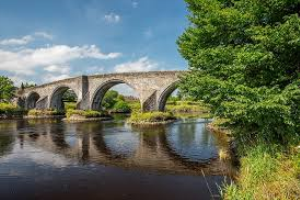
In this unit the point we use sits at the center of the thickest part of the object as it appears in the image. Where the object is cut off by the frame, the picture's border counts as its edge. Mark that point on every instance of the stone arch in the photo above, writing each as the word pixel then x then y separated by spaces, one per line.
pixel 55 100
pixel 99 93
pixel 31 100
pixel 162 100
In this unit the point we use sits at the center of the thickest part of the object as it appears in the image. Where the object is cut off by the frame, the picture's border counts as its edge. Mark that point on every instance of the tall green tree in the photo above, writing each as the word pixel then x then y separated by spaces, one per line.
pixel 6 88
pixel 244 59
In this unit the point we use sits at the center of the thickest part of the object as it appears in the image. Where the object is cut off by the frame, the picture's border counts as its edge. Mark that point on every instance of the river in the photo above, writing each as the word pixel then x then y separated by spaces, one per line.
pixel 52 159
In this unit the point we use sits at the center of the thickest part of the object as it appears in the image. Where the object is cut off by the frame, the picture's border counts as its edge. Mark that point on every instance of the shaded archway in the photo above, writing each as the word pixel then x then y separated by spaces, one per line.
pixel 31 100
pixel 165 95
pixel 57 98
pixel 99 94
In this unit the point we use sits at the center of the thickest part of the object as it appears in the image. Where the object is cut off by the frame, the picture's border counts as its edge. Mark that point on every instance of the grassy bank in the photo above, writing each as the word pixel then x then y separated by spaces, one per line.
pixel 85 113
pixel 266 173
pixel 151 118
pixel 187 107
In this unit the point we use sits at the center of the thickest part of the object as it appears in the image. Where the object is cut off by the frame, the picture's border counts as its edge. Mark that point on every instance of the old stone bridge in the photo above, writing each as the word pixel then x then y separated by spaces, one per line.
pixel 153 89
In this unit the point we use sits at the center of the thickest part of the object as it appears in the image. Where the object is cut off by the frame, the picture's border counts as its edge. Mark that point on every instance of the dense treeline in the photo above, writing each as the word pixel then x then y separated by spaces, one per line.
pixel 243 57
pixel 244 61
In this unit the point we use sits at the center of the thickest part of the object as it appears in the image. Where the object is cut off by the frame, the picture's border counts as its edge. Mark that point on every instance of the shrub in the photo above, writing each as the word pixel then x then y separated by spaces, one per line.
pixel 8 108
pixel 70 106
pixel 121 106
pixel 135 106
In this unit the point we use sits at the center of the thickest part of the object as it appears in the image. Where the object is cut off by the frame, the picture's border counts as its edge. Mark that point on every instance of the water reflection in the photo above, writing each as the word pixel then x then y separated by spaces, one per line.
pixel 181 148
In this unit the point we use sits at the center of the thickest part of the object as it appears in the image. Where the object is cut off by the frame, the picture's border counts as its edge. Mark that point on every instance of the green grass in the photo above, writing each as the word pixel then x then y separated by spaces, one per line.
pixel 151 117
pixel 70 105
pixel 135 106
pixel 86 113
pixel 266 173
pixel 187 107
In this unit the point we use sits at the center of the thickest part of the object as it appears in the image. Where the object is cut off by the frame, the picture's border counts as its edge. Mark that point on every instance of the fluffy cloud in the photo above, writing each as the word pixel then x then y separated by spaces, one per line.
pixel 25 39
pixel 17 41
pixel 25 61
pixel 112 18
pixel 142 64
pixel 52 77
pixel 44 35
pixel 58 69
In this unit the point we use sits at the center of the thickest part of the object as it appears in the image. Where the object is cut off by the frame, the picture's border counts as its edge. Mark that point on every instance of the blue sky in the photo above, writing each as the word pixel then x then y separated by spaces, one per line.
pixel 47 40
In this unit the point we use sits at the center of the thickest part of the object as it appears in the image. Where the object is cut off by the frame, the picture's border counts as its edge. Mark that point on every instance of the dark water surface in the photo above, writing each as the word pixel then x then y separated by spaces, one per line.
pixel 109 161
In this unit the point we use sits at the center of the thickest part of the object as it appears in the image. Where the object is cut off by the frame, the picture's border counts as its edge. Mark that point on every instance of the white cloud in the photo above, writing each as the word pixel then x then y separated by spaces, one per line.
pixel 25 61
pixel 58 69
pixel 51 77
pixel 25 39
pixel 142 64
pixel 17 41
pixel 112 18
pixel 44 35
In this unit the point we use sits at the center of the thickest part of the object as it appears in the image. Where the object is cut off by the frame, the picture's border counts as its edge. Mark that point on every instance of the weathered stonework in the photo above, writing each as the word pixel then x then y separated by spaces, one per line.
pixel 153 89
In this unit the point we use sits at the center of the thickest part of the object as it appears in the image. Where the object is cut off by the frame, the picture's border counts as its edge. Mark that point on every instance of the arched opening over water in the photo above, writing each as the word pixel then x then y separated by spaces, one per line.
pixel 170 91
pixel 117 96
pixel 31 100
pixel 62 98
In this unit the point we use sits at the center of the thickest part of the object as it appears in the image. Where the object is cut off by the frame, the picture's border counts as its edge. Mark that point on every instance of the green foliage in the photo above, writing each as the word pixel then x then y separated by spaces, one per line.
pixel 7 88
pixel 8 108
pixel 69 96
pixel 244 61
pixel 27 85
pixel 151 117
pixel 266 173
pixel 121 106
pixel 188 107
pixel 70 105
pixel 109 99
pixel 86 113
pixel 135 106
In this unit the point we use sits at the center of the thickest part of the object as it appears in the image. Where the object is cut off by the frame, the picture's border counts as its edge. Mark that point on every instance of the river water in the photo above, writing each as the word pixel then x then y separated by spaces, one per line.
pixel 51 159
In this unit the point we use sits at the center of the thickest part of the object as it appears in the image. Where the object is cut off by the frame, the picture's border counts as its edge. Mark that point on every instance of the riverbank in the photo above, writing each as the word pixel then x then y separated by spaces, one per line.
pixel 86 115
pixel 267 171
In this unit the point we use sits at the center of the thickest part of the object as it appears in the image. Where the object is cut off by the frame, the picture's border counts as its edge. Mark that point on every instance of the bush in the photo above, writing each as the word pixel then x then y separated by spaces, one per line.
pixel 135 106
pixel 151 117
pixel 121 106
pixel 70 106
pixel 8 108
